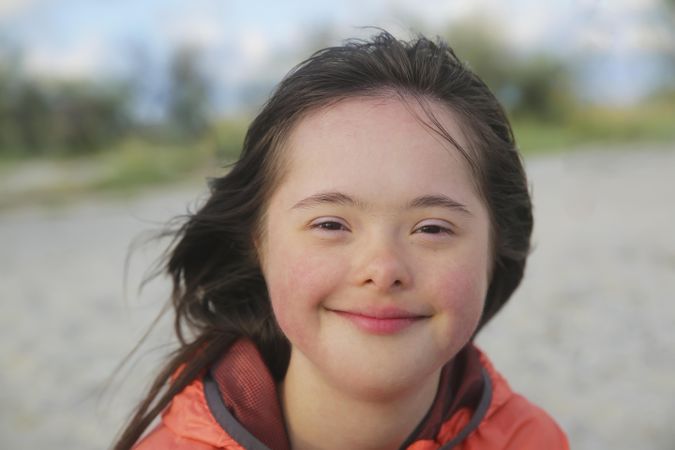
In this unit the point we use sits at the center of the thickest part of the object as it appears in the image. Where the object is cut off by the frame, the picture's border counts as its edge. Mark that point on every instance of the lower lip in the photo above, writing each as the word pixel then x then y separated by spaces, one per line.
pixel 377 325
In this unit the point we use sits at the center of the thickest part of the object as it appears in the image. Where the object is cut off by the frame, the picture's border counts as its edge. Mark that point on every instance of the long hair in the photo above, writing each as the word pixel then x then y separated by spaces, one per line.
pixel 219 293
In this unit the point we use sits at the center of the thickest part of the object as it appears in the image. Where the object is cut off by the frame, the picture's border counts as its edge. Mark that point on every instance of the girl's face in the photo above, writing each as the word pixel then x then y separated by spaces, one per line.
pixel 375 247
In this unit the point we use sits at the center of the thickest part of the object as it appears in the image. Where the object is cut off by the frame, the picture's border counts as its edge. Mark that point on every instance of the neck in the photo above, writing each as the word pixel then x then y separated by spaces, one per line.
pixel 320 415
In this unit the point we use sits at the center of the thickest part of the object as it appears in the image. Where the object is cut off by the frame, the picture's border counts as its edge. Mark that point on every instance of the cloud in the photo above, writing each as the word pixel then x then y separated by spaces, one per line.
pixel 557 24
pixel 85 60
pixel 524 23
pixel 201 31
pixel 11 8
pixel 627 26
pixel 254 46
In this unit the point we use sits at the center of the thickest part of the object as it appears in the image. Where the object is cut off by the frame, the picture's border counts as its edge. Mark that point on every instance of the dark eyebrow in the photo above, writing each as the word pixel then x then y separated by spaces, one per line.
pixel 333 198
pixel 443 201
pixel 339 198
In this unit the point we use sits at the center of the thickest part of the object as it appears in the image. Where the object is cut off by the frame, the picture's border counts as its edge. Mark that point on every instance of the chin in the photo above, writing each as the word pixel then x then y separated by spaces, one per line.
pixel 378 380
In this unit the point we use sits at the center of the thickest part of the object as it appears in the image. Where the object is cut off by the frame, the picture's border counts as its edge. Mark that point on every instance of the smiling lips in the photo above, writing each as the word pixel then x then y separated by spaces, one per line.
pixel 381 321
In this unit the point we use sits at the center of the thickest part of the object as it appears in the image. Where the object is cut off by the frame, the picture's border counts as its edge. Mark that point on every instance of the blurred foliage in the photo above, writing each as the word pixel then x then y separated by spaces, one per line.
pixel 538 92
pixel 651 122
pixel 39 118
pixel 188 94
pixel 47 117
pixel 94 128
pixel 534 87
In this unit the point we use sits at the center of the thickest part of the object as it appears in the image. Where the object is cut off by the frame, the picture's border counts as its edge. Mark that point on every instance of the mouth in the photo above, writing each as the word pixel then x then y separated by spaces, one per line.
pixel 381 321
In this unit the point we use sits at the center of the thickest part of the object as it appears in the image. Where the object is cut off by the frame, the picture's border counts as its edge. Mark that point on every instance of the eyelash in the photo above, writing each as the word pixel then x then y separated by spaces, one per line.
pixel 336 225
pixel 437 229
pixel 329 225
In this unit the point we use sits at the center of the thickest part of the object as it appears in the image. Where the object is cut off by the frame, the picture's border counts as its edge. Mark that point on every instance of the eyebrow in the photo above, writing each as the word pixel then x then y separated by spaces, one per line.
pixel 437 200
pixel 339 198
pixel 330 198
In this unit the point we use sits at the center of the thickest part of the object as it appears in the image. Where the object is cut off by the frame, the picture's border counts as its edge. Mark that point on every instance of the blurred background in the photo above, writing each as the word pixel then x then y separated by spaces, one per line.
pixel 144 93
pixel 113 113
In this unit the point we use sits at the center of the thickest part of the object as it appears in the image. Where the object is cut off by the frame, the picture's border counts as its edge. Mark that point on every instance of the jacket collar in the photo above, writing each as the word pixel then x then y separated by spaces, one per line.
pixel 241 395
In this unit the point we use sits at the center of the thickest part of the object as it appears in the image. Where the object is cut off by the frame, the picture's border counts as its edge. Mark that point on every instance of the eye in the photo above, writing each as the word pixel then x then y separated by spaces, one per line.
pixel 329 224
pixel 333 226
pixel 431 229
pixel 434 228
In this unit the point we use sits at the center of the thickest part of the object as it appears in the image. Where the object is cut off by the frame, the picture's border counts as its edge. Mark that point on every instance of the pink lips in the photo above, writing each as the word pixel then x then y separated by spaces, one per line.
pixel 381 321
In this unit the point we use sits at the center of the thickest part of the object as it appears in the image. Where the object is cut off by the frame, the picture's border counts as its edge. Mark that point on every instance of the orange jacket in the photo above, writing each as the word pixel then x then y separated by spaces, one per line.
pixel 502 420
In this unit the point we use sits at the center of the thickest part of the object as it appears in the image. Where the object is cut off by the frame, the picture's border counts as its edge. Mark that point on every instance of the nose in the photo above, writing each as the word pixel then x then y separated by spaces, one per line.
pixel 383 266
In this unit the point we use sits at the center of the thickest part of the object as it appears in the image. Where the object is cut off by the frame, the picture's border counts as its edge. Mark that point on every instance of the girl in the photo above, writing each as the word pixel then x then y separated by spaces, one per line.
pixel 333 282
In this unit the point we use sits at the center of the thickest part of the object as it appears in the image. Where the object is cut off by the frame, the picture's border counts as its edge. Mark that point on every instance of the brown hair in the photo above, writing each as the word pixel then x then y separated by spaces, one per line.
pixel 219 293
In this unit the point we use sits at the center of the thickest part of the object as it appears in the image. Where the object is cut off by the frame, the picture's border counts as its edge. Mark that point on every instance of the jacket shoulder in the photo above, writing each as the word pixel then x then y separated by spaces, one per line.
pixel 518 425
pixel 163 438
pixel 514 423
pixel 187 423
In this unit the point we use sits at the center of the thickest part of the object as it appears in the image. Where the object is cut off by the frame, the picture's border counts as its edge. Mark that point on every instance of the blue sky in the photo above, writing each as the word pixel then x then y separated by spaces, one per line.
pixel 260 40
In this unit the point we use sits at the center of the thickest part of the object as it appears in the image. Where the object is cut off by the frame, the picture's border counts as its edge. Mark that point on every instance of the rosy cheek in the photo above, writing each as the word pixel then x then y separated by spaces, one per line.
pixel 464 294
pixel 298 283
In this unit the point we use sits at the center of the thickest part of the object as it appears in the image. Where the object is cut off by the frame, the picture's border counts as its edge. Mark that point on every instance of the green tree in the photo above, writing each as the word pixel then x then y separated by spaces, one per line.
pixel 477 41
pixel 30 117
pixel 537 86
pixel 88 117
pixel 188 94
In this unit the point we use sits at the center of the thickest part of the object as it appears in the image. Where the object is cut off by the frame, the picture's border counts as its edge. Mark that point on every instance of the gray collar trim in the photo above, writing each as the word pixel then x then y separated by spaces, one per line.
pixel 240 434
pixel 225 418
pixel 478 415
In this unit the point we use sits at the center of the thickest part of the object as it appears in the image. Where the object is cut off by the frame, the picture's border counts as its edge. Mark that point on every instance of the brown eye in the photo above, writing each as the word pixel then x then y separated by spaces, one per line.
pixel 431 229
pixel 332 226
pixel 329 224
pixel 434 228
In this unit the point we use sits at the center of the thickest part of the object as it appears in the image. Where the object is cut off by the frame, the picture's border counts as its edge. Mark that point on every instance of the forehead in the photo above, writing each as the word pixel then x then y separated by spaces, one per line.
pixel 358 135
pixel 410 115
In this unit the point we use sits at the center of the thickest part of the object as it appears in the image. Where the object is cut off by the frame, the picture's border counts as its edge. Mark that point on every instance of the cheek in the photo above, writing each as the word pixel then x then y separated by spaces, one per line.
pixel 462 295
pixel 298 283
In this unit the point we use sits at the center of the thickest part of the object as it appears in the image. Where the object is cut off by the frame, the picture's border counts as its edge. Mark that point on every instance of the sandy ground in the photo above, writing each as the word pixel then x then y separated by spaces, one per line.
pixel 590 335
